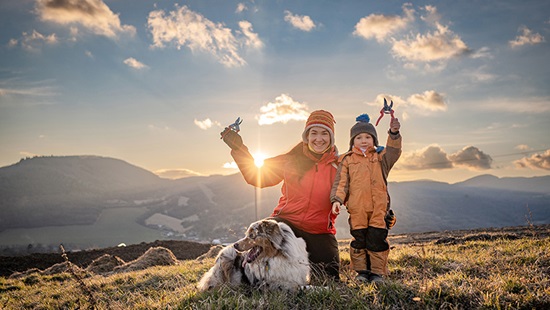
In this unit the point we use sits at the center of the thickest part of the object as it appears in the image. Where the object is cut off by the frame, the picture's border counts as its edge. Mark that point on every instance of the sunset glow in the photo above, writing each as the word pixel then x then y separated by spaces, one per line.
pixel 154 83
pixel 259 159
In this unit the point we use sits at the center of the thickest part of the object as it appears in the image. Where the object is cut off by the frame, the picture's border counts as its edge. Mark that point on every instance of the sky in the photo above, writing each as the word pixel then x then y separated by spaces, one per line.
pixel 155 82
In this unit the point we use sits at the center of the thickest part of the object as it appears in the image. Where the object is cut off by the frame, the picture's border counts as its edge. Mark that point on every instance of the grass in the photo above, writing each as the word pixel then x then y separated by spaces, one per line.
pixel 495 274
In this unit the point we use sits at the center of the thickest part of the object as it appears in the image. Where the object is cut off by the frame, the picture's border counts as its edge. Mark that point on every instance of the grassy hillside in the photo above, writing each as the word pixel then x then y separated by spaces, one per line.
pixel 458 273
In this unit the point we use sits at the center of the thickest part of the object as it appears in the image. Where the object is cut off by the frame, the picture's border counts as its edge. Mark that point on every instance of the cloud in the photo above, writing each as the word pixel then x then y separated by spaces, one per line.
pixel 133 63
pixel 379 101
pixel 12 43
pixel 483 52
pixel 440 45
pixel 39 91
pixel 527 37
pixel 241 7
pixel 17 91
pixel 302 22
pixel 251 38
pixel 471 157
pixel 432 16
pixel 522 147
pixel 205 124
pixel 283 110
pixel 430 100
pixel 432 157
pixel 479 75
pixel 526 105
pixel 186 28
pixel 435 158
pixel 535 161
pixel 158 127
pixel 230 165
pixel 93 15
pixel 176 173
pixel 34 41
pixel 379 27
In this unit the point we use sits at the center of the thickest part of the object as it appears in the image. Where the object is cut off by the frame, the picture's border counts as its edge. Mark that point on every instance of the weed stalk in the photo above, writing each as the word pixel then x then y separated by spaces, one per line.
pixel 81 284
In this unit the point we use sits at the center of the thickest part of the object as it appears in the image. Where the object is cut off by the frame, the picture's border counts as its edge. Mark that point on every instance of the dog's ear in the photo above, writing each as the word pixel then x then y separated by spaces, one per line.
pixel 285 229
pixel 286 233
pixel 276 235
pixel 226 270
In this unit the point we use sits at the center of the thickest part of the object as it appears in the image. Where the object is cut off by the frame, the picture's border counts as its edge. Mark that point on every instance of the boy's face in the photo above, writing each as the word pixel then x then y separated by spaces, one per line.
pixel 318 139
pixel 363 141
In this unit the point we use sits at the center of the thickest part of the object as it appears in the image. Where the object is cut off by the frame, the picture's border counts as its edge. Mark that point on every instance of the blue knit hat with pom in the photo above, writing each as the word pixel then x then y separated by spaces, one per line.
pixel 363 125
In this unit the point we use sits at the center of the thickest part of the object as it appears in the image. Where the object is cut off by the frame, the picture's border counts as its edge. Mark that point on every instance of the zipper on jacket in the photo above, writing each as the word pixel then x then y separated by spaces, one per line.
pixel 310 193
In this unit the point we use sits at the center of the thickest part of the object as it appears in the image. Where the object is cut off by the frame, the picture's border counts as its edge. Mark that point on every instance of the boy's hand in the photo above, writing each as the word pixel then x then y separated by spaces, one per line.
pixel 394 125
pixel 390 219
pixel 336 208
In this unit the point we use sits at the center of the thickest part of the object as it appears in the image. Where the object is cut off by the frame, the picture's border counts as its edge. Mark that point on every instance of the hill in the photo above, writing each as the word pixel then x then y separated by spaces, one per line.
pixel 532 185
pixel 49 191
pixel 481 269
pixel 91 202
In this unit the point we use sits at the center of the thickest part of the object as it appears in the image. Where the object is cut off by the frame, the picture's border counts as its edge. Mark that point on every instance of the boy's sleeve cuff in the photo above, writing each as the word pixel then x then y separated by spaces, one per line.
pixel 394 141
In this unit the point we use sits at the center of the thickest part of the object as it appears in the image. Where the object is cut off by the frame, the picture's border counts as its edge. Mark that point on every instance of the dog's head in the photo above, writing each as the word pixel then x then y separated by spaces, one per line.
pixel 262 238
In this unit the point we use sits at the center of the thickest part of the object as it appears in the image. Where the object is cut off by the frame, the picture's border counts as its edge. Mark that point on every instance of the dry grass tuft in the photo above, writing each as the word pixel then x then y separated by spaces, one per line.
pixel 155 256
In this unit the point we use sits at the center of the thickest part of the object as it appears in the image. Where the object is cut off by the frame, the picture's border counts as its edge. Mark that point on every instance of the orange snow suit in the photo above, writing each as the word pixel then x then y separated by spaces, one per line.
pixel 360 184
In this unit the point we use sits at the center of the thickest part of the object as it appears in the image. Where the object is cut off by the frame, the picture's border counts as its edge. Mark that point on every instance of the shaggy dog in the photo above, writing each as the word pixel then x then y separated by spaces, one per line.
pixel 269 256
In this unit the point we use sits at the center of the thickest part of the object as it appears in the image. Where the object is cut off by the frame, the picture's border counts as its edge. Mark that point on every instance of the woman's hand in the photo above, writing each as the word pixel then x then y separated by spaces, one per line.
pixel 336 208
pixel 232 139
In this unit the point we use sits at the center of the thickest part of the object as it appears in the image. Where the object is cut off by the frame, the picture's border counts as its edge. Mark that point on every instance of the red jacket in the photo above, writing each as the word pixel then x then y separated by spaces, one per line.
pixel 305 202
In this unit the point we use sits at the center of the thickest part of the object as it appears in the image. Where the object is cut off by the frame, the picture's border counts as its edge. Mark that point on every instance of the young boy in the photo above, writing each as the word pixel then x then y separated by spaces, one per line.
pixel 361 186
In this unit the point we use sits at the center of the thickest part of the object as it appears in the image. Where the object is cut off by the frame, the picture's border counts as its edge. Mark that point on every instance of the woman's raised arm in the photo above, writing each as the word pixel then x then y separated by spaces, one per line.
pixel 270 174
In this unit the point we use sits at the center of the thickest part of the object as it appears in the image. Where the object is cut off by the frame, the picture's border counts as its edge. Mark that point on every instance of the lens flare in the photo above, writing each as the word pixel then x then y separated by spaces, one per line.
pixel 259 159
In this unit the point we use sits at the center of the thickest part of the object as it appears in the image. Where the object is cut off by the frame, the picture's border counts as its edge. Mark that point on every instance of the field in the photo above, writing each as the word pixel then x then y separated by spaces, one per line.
pixel 100 234
pixel 481 270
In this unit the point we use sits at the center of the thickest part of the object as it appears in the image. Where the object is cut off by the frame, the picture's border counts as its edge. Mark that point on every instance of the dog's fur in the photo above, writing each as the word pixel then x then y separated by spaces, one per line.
pixel 269 256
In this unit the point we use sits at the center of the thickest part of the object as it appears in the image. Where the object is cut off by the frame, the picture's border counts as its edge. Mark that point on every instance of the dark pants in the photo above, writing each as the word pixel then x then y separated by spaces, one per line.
pixel 323 252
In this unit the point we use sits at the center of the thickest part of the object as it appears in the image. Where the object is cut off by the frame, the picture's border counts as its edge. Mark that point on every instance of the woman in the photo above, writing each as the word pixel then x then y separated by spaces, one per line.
pixel 307 171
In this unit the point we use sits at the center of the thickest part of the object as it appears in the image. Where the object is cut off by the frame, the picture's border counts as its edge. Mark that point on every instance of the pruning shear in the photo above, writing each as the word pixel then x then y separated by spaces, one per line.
pixel 387 109
pixel 235 127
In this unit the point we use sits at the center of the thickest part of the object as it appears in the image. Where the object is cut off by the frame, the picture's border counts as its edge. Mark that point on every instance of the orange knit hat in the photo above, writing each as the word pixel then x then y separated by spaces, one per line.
pixel 320 118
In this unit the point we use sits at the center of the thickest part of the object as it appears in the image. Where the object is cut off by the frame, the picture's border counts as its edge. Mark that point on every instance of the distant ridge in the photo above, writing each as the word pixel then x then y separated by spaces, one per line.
pixel 62 174
pixel 59 191
pixel 532 184
pixel 65 190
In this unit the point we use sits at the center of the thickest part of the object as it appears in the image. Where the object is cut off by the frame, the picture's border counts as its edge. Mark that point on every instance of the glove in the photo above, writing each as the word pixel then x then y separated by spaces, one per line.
pixel 390 219
pixel 395 125
pixel 232 139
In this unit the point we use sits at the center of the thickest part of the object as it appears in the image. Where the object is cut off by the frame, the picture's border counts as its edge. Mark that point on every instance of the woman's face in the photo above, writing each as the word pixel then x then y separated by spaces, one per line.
pixel 363 141
pixel 318 139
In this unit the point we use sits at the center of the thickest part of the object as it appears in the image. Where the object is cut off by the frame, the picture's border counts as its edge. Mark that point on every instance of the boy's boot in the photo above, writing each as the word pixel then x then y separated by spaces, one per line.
pixel 378 265
pixel 358 258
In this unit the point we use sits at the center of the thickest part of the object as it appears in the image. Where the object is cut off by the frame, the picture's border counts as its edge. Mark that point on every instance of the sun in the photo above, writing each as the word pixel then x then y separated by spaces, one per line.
pixel 259 159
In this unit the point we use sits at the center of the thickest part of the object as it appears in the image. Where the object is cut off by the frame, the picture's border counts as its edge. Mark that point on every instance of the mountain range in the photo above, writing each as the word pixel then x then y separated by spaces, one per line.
pixel 92 201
